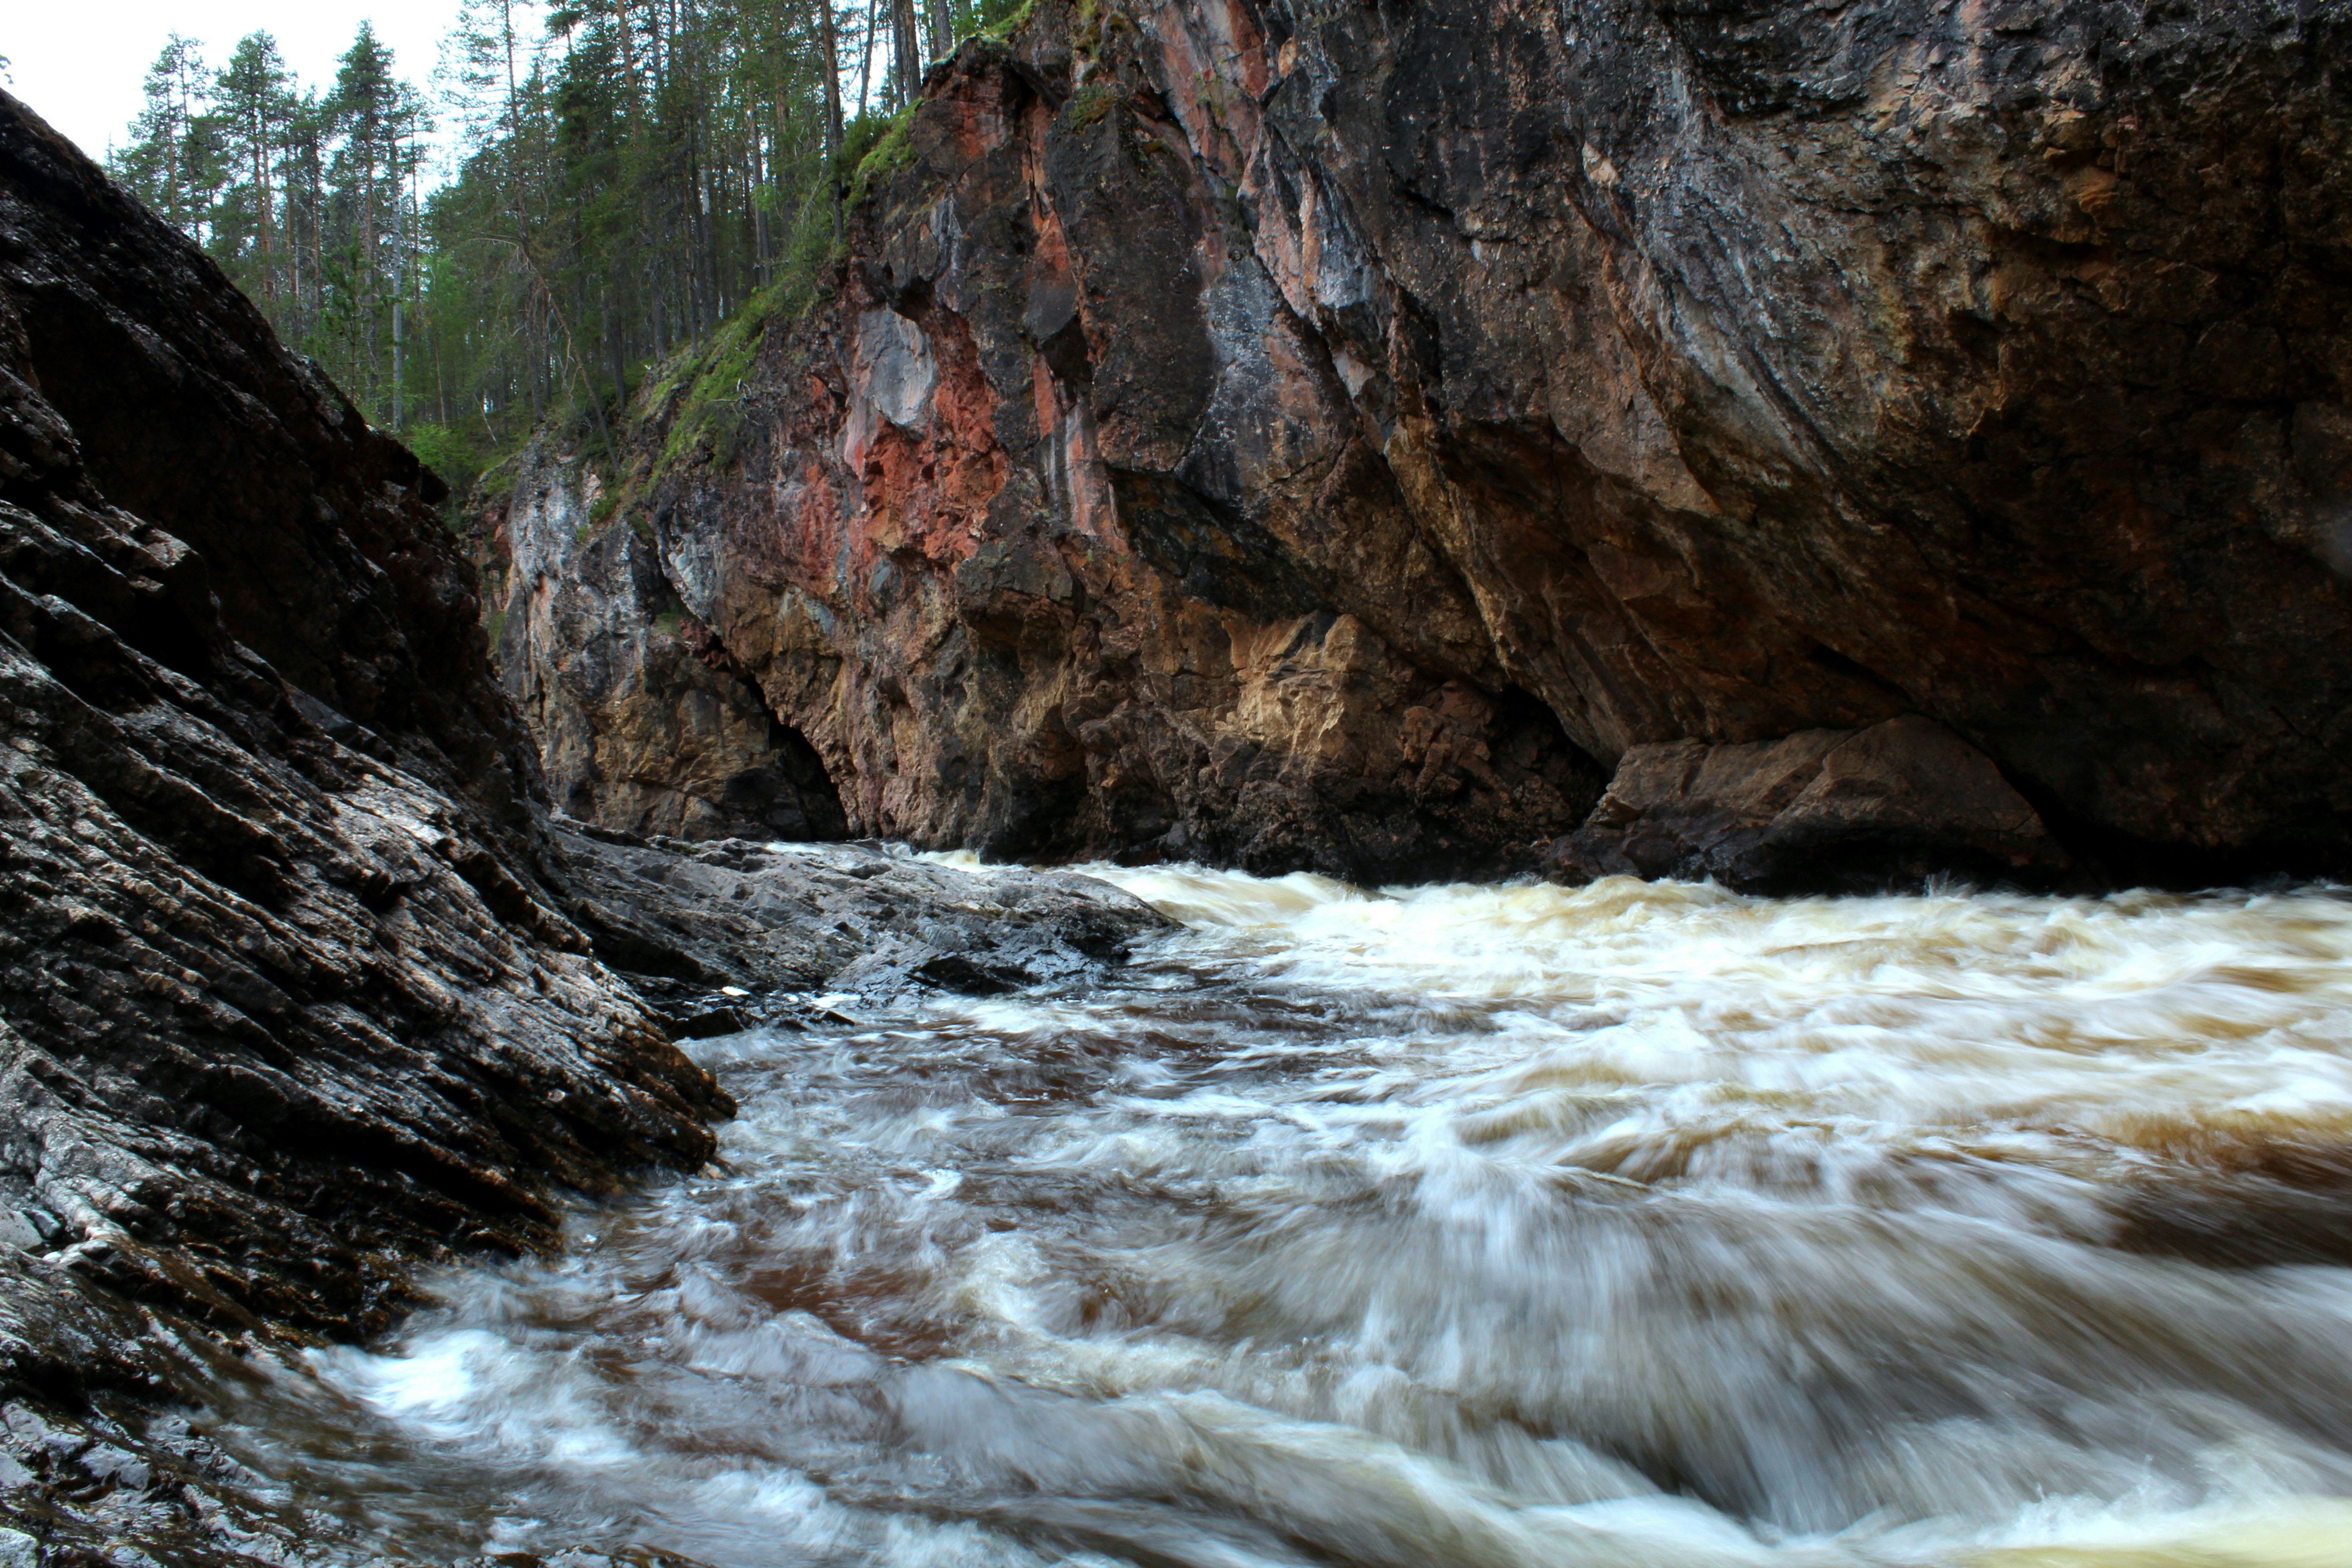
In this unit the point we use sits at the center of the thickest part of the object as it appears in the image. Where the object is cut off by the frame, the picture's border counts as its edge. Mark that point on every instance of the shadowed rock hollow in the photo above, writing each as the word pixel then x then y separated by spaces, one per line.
pixel 1294 435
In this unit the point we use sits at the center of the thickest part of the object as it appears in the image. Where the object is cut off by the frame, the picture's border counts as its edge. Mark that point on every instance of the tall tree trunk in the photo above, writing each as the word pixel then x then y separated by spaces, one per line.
pixel 909 60
pixel 658 310
pixel 624 12
pixel 396 364
pixel 613 349
pixel 865 54
pixel 831 64
pixel 259 136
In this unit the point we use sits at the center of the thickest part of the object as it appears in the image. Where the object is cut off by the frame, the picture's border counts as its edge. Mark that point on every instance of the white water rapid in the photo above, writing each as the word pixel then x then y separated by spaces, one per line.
pixel 1641 1225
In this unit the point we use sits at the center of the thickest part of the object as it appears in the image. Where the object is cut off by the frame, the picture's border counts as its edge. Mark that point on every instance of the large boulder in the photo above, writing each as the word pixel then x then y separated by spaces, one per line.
pixel 1822 810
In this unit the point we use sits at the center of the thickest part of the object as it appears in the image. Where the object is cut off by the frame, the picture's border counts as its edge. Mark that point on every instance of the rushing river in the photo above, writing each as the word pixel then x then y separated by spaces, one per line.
pixel 1639 1224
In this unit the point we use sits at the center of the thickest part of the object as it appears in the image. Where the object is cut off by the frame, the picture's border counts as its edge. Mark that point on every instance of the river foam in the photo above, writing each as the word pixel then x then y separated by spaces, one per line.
pixel 1641 1224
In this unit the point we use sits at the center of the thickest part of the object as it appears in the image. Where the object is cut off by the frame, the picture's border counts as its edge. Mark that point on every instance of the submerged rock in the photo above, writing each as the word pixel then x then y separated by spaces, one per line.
pixel 1338 438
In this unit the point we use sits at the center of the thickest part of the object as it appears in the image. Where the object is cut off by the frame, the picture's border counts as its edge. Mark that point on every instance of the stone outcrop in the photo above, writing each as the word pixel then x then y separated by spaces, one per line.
pixel 1286 434
pixel 288 927
pixel 285 1000
pixel 1840 810
pixel 297 988
pixel 645 724
pixel 725 934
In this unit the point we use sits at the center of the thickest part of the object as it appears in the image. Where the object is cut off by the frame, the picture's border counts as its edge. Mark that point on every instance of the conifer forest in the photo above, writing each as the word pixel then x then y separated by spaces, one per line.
pixel 621 176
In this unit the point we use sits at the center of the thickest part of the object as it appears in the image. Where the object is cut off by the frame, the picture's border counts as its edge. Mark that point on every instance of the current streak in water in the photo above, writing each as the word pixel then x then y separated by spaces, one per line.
pixel 1637 1224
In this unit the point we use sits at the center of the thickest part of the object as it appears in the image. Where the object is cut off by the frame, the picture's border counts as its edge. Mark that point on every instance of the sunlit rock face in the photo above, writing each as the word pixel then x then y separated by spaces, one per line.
pixel 1291 434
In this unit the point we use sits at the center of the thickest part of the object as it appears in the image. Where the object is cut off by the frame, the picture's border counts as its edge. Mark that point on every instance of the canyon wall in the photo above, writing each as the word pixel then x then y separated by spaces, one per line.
pixel 290 998
pixel 643 723
pixel 303 984
pixel 1341 436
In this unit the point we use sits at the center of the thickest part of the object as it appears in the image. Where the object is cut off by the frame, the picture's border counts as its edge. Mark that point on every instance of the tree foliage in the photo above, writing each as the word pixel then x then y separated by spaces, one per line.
pixel 621 176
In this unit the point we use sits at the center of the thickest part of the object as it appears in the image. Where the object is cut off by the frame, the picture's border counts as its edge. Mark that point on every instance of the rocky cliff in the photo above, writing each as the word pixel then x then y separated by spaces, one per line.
pixel 297 989
pixel 643 723
pixel 286 999
pixel 1294 434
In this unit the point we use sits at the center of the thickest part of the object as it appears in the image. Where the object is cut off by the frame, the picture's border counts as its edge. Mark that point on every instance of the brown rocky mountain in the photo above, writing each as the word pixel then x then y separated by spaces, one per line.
pixel 1345 435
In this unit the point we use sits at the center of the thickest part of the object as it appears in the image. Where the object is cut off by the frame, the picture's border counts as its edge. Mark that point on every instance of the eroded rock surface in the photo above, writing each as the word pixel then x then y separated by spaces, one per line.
pixel 1289 434
pixel 645 723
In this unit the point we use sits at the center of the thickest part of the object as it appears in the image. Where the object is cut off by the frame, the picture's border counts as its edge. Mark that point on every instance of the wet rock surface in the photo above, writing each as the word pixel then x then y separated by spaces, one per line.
pixel 295 993
pixel 1819 811
pixel 722 935
pixel 1287 435
pixel 284 1007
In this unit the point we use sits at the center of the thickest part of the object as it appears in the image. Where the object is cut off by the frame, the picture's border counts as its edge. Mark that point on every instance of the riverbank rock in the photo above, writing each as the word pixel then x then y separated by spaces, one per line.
pixel 285 1005
pixel 1821 811
pixel 713 932
pixel 278 950
pixel 1339 437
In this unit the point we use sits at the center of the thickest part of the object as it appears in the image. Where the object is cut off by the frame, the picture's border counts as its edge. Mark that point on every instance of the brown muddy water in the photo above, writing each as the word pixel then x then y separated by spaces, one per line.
pixel 1638 1224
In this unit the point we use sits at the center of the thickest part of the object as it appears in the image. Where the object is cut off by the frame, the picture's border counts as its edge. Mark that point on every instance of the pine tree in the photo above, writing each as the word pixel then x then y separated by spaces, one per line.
pixel 172 161
pixel 255 107
pixel 624 178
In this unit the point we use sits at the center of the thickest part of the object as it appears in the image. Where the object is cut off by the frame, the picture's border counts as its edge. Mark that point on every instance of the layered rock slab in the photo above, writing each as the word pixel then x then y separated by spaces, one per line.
pixel 286 1004
pixel 1292 435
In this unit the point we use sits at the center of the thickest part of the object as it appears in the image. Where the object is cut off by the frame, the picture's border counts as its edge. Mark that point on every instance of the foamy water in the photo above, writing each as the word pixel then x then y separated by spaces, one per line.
pixel 1637 1224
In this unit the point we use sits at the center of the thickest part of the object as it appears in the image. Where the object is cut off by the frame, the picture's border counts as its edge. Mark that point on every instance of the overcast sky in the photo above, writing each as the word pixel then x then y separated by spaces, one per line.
pixel 79 62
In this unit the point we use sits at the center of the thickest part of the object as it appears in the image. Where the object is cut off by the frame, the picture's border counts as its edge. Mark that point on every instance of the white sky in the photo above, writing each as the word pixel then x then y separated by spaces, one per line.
pixel 79 62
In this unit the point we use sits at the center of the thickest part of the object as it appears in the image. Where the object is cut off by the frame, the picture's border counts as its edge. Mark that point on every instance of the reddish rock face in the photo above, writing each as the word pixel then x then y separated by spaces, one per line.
pixel 1293 436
